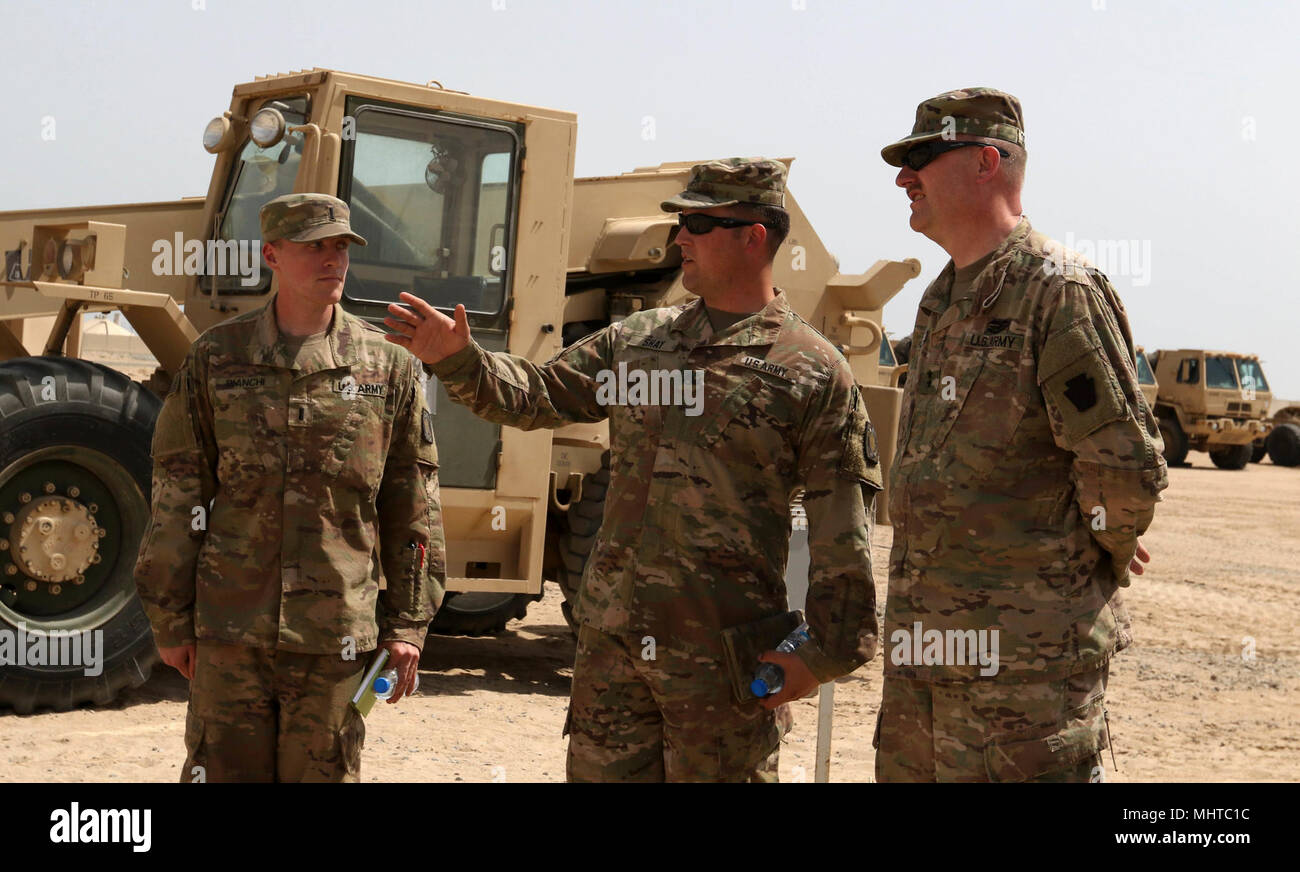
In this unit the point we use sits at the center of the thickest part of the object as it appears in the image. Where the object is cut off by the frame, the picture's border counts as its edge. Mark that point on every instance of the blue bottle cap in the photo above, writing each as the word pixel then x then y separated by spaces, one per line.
pixel 758 687
pixel 383 685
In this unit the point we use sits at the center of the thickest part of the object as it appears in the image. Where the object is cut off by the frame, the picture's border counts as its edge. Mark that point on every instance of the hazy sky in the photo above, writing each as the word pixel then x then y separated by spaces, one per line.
pixel 1166 131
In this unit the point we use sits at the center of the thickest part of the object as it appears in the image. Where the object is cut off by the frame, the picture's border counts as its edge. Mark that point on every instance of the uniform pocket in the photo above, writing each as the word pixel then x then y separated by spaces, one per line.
pixel 988 406
pixel 721 406
pixel 1032 754
pixel 242 397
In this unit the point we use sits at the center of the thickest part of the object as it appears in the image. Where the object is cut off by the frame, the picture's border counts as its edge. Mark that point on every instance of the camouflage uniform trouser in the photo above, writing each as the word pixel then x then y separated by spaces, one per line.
pixel 263 715
pixel 672 718
pixel 993 731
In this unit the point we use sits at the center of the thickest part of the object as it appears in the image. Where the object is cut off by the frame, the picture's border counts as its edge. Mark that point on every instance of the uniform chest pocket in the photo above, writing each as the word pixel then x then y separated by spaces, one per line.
pixel 752 423
pixel 246 420
pixel 337 427
pixel 722 403
pixel 982 403
pixel 636 390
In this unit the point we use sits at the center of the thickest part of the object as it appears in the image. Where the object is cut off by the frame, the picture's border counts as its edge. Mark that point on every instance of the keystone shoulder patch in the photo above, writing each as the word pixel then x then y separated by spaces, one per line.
pixel 761 365
pixel 1082 392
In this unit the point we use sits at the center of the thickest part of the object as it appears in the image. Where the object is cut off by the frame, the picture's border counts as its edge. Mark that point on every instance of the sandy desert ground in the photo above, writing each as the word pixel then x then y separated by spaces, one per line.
pixel 1189 702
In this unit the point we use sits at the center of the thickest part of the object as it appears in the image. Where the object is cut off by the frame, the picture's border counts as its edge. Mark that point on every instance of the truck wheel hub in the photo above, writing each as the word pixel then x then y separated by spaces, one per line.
pixel 55 539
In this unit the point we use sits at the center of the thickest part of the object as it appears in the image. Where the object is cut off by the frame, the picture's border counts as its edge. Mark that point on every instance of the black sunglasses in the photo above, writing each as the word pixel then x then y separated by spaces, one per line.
pixel 701 224
pixel 918 156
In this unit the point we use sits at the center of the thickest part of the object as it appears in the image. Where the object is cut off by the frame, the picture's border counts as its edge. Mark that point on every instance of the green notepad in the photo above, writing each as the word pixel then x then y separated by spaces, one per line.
pixel 364 699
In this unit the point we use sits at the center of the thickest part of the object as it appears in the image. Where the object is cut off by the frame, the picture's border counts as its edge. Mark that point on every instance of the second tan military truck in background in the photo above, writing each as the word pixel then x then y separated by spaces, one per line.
pixel 463 199
pixel 1218 402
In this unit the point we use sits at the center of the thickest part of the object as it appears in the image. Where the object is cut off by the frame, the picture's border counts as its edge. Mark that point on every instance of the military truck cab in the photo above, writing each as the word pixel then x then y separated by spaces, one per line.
pixel 1214 401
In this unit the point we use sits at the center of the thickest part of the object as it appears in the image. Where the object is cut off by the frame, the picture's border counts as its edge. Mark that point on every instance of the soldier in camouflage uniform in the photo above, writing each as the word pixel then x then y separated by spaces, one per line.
pixel 697 518
pixel 1028 466
pixel 294 472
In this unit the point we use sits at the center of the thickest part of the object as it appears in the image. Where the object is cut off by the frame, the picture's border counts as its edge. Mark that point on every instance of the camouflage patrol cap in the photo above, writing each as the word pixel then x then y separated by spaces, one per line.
pixel 974 111
pixel 306 218
pixel 731 181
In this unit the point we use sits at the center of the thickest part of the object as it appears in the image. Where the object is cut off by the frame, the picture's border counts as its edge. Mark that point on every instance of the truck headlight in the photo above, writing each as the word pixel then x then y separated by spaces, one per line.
pixel 267 127
pixel 75 257
pixel 217 136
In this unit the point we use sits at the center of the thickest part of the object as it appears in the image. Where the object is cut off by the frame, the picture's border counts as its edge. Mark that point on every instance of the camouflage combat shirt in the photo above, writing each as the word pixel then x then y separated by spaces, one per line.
pixel 321 472
pixel 1028 465
pixel 697 518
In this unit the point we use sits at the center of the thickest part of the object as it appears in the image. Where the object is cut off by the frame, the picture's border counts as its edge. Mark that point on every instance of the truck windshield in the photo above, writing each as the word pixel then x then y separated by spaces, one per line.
pixel 259 176
pixel 433 196
pixel 1252 376
pixel 1219 373
pixel 1145 375
pixel 886 353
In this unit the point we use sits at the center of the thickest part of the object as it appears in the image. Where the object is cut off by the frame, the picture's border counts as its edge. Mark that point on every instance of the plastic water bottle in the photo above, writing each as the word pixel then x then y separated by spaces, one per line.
pixel 386 684
pixel 770 678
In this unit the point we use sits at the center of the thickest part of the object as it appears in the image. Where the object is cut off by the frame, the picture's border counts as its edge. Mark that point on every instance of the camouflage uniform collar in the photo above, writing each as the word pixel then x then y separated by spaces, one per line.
pixel 760 328
pixel 988 284
pixel 341 341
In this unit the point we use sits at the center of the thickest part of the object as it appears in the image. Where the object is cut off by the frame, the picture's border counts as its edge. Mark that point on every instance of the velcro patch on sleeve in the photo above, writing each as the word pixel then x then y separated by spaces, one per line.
pixel 860 456
pixel 1079 382
pixel 174 429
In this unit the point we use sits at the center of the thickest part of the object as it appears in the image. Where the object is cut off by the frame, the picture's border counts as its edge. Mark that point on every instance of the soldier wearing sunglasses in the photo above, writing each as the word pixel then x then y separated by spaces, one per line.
pixel 1028 465
pixel 697 519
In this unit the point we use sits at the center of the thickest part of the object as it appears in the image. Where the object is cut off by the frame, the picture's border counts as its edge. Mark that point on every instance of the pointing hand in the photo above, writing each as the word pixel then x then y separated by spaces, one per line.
pixel 424 331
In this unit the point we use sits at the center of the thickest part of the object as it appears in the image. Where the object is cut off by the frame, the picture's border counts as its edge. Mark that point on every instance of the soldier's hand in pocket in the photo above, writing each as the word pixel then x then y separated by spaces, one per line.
pixel 181 658
pixel 1143 556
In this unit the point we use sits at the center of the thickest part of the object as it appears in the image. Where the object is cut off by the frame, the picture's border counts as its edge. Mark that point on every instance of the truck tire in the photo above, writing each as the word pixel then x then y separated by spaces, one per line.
pixel 1232 457
pixel 578 538
pixel 1284 444
pixel 74 440
pixel 479 613
pixel 1259 450
pixel 1175 440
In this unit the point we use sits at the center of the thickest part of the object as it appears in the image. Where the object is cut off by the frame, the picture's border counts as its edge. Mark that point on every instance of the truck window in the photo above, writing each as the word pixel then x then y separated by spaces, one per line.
pixel 1189 371
pixel 1252 376
pixel 1145 375
pixel 1219 373
pixel 886 353
pixel 433 196
pixel 259 176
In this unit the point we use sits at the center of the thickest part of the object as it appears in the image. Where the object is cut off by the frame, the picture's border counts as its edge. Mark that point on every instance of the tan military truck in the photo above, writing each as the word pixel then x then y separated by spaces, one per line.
pixel 463 200
pixel 1215 401
pixel 1282 445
